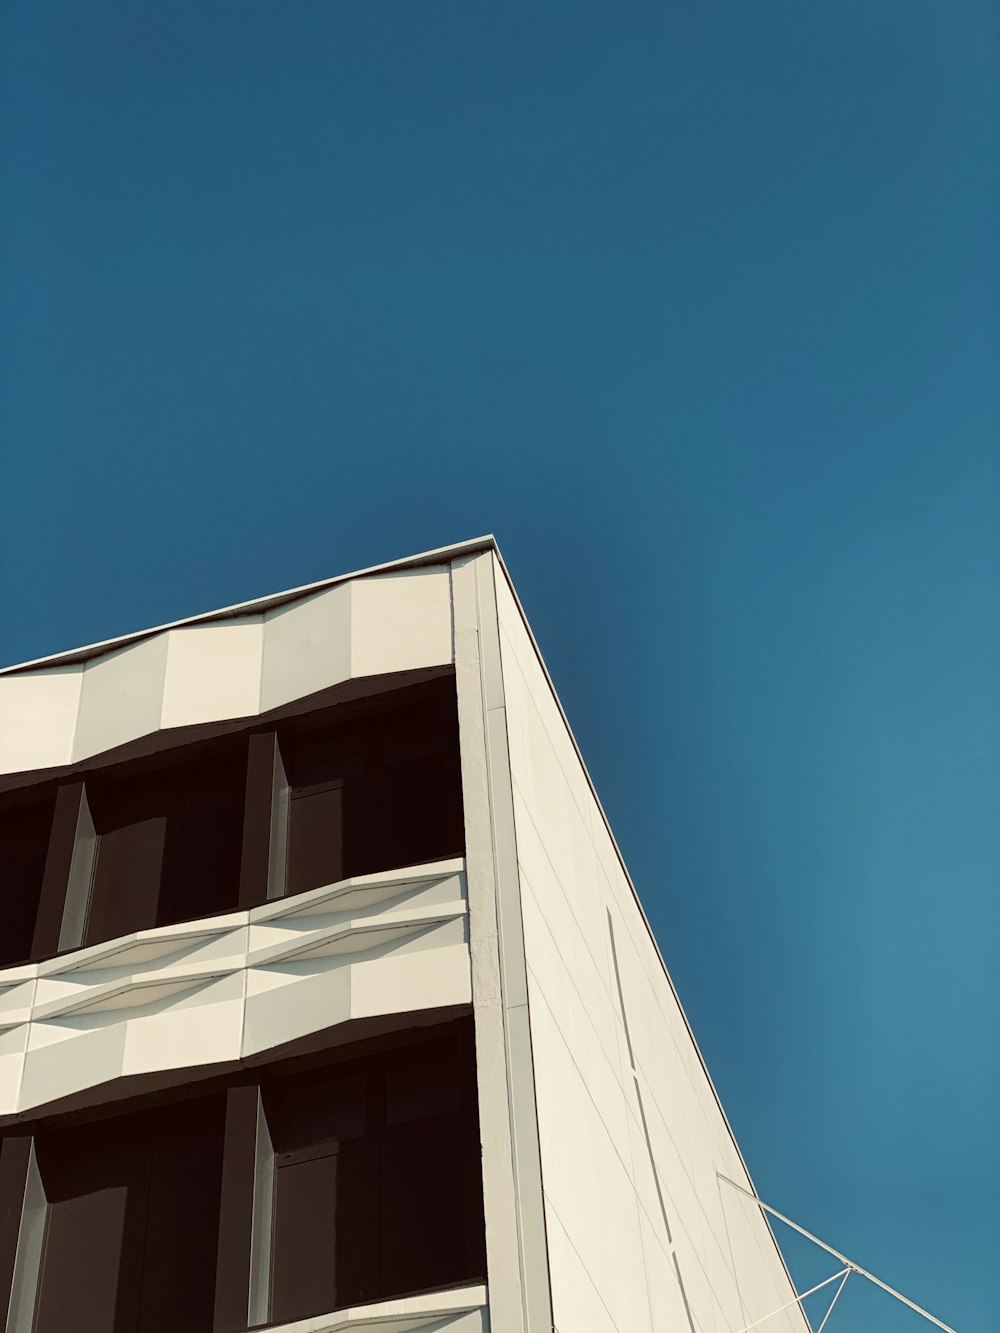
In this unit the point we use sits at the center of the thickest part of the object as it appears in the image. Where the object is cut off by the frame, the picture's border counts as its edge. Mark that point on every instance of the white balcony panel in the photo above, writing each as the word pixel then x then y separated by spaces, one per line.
pixel 225 988
pixel 38 711
pixel 307 647
pixel 213 672
pixel 229 669
pixel 462 1310
pixel 121 697
pixel 401 621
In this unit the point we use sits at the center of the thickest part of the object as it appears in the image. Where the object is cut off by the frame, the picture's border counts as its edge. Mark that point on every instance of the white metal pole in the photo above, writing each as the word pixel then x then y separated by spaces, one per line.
pixel 836 1298
pixel 844 1273
pixel 856 1268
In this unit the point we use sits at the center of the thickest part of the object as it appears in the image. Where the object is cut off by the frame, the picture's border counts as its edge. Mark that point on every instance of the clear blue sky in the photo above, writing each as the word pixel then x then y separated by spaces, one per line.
pixel 697 307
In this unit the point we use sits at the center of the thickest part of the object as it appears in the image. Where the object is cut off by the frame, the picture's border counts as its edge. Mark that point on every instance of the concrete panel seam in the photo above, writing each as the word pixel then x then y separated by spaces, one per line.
pixel 550 1207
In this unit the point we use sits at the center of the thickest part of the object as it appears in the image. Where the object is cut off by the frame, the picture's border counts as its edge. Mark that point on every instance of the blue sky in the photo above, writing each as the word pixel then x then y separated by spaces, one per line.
pixel 696 307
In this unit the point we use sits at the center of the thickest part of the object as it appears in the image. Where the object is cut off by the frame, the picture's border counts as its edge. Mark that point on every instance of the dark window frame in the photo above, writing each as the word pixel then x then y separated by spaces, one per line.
pixel 27 821
pixel 107 1184
pixel 365 743
pixel 250 1169
pixel 172 811
pixel 457 1125
pixel 64 903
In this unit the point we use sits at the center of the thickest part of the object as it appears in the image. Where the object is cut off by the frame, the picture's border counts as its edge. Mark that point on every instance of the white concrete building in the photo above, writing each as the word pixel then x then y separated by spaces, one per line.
pixel 326 1001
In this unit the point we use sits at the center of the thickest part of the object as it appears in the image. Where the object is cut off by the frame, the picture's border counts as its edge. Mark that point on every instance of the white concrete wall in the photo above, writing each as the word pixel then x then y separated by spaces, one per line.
pixel 642 1236
pixel 229 669
pixel 462 1310
pixel 516 1259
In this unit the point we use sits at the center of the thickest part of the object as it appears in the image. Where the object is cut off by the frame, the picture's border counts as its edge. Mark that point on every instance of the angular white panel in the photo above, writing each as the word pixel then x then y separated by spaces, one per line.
pixel 17 994
pixel 574 912
pixel 285 1003
pixel 205 1026
pixel 401 621
pixel 461 1310
pixel 38 711
pixel 576 1302
pixel 394 895
pixel 586 1180
pixel 63 1058
pixel 306 647
pixel 213 672
pixel 121 698
pixel 92 1003
pixel 401 983
pixel 580 1008
pixel 220 989
pixel 13 1042
pixel 233 669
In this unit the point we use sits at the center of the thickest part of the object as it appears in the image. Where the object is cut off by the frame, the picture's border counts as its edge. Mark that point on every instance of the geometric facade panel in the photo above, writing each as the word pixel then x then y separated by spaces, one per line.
pixel 226 669
pixel 458 1311
pixel 231 987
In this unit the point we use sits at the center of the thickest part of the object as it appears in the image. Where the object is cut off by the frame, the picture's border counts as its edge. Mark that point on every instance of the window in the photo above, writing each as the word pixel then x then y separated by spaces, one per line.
pixel 131 1224
pixel 168 845
pixel 377 791
pixel 377 1179
pixel 285 1193
pixel 24 842
pixel 371 785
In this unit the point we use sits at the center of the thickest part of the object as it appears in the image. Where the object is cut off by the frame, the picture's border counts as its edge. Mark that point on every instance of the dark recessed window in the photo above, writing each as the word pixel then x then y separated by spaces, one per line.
pixel 168 845
pixel 377 1179
pixel 132 1221
pixel 24 842
pixel 352 1180
pixel 376 791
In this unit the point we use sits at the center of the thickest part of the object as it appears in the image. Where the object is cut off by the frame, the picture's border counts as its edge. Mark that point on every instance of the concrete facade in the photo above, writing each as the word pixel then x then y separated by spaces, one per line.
pixel 600 1136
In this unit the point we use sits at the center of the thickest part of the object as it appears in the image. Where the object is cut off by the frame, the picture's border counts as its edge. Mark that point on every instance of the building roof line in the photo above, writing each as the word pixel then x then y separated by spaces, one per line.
pixel 440 555
pixel 635 893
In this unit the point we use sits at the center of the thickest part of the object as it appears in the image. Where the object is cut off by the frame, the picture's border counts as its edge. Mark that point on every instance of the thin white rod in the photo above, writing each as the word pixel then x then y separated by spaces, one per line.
pixel 837 1255
pixel 844 1272
pixel 836 1298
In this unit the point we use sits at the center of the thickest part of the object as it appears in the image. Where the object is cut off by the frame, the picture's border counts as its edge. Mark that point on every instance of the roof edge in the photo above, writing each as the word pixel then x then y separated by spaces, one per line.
pixel 73 656
pixel 635 895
